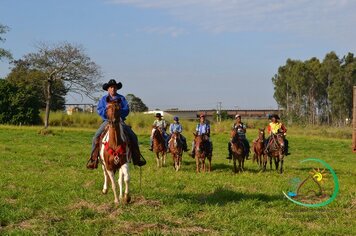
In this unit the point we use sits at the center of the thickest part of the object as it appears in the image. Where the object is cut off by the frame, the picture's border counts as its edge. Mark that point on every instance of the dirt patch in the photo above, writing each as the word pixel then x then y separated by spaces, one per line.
pixel 140 200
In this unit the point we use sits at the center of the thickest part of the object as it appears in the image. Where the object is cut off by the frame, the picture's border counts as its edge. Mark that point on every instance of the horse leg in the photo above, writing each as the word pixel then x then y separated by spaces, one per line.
pixel 209 164
pixel 270 162
pixel 157 159
pixel 235 167
pixel 264 162
pixel 197 164
pixel 243 164
pixel 282 160
pixel 105 186
pixel 276 162
pixel 126 175
pixel 113 184
pixel 164 158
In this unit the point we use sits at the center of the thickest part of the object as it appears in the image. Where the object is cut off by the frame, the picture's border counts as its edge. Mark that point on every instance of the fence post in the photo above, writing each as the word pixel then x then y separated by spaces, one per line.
pixel 354 120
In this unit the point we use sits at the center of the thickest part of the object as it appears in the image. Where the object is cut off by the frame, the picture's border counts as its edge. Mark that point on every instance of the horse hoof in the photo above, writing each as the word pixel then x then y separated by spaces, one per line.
pixel 126 199
pixel 105 191
pixel 116 202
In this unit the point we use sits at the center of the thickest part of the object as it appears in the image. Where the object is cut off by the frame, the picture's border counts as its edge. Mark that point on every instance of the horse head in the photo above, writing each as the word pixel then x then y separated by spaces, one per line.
pixel 278 139
pixel 261 134
pixel 113 112
pixel 176 139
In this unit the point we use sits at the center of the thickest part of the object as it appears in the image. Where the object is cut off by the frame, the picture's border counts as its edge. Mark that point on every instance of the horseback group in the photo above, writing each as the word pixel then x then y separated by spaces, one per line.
pixel 115 144
pixel 274 147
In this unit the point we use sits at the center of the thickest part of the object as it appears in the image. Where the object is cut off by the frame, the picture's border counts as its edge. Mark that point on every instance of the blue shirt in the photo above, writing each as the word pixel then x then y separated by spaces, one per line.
pixel 203 129
pixel 175 127
pixel 101 109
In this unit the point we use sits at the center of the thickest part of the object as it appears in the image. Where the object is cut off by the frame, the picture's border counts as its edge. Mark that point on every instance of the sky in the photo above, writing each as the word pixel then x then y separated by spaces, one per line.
pixel 185 54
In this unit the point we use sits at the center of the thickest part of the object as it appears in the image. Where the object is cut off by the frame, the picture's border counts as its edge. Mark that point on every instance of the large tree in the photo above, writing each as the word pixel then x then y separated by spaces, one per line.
pixel 64 63
pixel 21 75
pixel 4 53
pixel 135 103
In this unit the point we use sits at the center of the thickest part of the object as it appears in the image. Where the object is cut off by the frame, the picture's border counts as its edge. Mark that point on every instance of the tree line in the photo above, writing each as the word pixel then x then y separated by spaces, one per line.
pixel 42 79
pixel 316 92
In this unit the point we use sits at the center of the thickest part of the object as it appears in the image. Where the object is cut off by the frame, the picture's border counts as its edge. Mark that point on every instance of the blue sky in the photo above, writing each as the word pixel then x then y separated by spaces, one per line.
pixel 186 54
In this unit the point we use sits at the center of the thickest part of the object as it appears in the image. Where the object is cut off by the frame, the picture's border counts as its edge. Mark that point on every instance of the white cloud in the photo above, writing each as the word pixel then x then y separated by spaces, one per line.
pixel 171 31
pixel 299 16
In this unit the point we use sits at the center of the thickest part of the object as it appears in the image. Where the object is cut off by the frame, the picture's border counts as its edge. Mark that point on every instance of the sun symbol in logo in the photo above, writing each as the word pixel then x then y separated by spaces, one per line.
pixel 318 175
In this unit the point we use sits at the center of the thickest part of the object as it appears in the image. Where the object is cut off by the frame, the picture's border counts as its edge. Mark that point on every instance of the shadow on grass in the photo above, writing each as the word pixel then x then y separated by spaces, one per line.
pixel 222 196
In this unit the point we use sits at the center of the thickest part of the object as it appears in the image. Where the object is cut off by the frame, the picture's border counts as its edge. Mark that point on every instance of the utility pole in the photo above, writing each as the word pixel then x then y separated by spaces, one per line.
pixel 218 112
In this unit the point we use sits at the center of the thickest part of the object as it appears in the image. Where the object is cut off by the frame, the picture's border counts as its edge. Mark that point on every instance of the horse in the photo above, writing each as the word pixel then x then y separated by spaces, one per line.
pixel 159 146
pixel 237 149
pixel 258 147
pixel 275 151
pixel 176 149
pixel 114 153
pixel 202 151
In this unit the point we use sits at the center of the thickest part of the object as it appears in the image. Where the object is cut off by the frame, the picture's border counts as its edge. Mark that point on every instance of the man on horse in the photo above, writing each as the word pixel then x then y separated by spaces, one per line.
pixel 161 124
pixel 112 88
pixel 241 131
pixel 177 127
pixel 274 127
pixel 202 128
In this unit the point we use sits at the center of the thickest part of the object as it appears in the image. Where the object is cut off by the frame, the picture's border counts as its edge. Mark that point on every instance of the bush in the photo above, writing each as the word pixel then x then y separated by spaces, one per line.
pixel 18 105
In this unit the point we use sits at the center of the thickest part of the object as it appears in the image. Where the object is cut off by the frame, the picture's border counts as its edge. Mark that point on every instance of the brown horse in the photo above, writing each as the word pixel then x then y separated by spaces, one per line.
pixel 275 151
pixel 159 146
pixel 237 149
pixel 114 153
pixel 259 147
pixel 176 149
pixel 202 151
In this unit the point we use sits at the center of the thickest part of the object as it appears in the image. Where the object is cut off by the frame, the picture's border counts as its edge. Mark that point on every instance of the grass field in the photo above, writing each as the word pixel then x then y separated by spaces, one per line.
pixel 46 189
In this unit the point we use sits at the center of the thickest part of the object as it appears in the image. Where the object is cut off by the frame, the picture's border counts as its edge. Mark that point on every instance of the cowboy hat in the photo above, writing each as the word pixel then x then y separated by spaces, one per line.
pixel 275 116
pixel 112 82
pixel 237 115
pixel 158 115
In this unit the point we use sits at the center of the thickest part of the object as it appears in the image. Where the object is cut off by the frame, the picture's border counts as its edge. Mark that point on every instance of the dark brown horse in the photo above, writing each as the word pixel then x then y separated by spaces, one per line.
pixel 202 152
pixel 237 149
pixel 275 150
pixel 176 149
pixel 259 147
pixel 114 153
pixel 159 146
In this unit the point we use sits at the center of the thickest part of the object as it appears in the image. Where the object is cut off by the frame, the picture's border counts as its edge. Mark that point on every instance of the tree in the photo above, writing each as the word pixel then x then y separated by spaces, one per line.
pixel 21 75
pixel 4 53
pixel 135 103
pixel 18 105
pixel 65 63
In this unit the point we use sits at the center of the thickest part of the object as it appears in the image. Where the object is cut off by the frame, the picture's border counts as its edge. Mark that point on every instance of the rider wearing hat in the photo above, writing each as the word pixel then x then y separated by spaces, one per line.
pixel 159 123
pixel 111 87
pixel 177 127
pixel 274 127
pixel 241 131
pixel 202 127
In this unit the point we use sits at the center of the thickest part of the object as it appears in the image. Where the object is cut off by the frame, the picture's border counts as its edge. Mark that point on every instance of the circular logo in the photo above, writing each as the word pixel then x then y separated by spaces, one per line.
pixel 314 195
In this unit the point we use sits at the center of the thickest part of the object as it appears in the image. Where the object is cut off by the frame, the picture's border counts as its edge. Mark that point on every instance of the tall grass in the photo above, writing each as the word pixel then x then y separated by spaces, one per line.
pixel 142 123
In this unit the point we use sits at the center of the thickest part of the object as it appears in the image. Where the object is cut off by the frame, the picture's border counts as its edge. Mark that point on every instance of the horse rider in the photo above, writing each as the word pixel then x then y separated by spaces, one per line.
pixel 112 87
pixel 274 127
pixel 202 128
pixel 162 124
pixel 177 127
pixel 241 132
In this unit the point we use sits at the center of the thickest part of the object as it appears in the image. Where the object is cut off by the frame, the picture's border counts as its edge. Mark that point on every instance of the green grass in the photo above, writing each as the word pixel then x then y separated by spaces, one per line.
pixel 46 189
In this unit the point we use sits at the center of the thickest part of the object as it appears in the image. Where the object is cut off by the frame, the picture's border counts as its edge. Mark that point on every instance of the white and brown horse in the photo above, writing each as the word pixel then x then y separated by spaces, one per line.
pixel 176 149
pixel 114 153
pixel 159 146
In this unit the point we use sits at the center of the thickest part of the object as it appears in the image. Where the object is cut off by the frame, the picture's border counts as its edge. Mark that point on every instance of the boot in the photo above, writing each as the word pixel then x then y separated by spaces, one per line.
pixel 136 157
pixel 92 163
pixel 192 154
